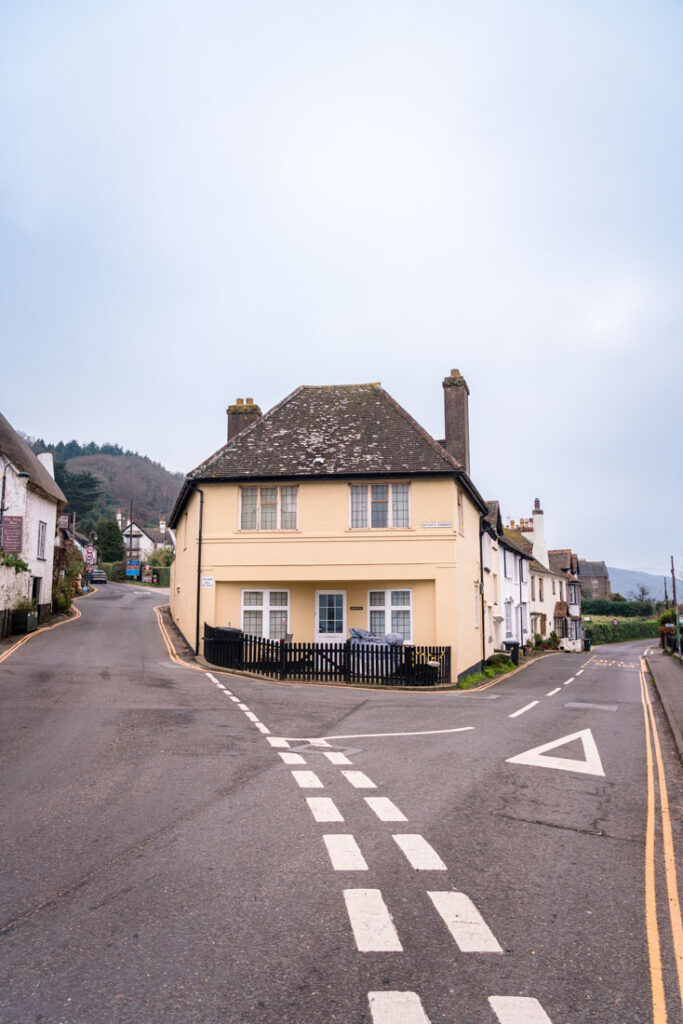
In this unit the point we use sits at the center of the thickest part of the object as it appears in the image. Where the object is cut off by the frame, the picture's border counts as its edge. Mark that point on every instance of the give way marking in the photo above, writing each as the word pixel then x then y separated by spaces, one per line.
pixel 590 765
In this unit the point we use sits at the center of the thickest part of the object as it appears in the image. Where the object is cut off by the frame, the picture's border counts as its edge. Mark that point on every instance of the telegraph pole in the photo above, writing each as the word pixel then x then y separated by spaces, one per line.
pixel 678 627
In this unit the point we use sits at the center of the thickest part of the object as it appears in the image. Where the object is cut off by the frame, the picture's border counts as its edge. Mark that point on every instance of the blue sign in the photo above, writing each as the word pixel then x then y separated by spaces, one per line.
pixel 133 567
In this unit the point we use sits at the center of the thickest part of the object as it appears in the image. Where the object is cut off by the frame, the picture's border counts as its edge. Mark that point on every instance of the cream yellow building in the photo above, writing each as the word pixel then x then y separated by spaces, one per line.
pixel 334 510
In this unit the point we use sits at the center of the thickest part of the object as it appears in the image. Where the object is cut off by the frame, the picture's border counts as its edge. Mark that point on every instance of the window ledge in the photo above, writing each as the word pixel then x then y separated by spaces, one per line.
pixel 258 533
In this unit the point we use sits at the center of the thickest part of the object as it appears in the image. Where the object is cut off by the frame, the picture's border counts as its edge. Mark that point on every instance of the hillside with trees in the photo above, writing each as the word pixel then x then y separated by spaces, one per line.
pixel 100 479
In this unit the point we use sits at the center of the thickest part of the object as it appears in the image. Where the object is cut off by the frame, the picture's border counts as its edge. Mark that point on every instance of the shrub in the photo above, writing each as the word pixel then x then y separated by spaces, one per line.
pixel 492 669
pixel 617 609
pixel 629 629
pixel 116 571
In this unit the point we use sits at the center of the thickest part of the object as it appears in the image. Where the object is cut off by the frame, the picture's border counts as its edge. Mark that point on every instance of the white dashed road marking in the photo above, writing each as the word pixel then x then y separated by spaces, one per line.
pixel 419 854
pixel 307 780
pixel 251 716
pixel 359 780
pixel 262 728
pixel 527 707
pixel 553 692
pixel 568 681
pixel 579 672
pixel 336 757
pixel 396 1008
pixel 289 758
pixel 518 1010
pixel 464 922
pixel 324 809
pixel 371 922
pixel 278 741
pixel 319 743
pixel 345 853
pixel 242 707
pixel 384 808
pixel 236 700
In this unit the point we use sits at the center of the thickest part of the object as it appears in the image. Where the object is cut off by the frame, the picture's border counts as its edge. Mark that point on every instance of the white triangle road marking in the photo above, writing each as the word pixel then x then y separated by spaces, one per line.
pixel 591 764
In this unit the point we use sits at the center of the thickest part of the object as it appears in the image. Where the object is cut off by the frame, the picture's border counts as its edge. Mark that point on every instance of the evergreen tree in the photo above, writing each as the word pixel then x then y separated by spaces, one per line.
pixel 109 541
pixel 81 490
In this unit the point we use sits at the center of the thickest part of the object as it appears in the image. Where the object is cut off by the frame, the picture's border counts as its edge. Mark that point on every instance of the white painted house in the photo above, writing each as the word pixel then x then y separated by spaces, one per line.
pixel 555 592
pixel 30 501
pixel 142 541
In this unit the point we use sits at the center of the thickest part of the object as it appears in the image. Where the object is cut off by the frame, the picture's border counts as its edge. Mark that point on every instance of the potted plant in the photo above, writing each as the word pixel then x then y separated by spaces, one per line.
pixel 24 616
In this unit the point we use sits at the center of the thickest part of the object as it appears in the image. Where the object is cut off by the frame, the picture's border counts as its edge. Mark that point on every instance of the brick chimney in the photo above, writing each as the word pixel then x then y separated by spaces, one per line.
pixel 240 415
pixel 455 396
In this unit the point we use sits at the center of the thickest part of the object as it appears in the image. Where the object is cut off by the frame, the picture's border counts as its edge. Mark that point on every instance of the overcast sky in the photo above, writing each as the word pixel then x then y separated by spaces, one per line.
pixel 206 200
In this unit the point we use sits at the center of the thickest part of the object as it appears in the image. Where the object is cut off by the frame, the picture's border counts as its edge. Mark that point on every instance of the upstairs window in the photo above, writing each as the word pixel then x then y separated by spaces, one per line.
pixel 508 564
pixel 380 506
pixel 42 530
pixel 269 508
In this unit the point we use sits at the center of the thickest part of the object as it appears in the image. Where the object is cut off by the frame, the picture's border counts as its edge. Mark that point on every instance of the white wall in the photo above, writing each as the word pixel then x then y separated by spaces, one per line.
pixel 34 508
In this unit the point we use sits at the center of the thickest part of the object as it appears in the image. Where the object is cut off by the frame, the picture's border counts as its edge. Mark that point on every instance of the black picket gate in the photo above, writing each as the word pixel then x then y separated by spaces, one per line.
pixel 407 665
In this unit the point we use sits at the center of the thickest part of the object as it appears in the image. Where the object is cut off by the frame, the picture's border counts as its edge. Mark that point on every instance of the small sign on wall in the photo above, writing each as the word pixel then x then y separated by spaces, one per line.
pixel 207 582
pixel 12 533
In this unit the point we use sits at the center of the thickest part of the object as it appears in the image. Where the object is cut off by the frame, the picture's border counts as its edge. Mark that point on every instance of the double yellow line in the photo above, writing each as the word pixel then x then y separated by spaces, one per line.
pixel 653 939
pixel 172 653
pixel 44 629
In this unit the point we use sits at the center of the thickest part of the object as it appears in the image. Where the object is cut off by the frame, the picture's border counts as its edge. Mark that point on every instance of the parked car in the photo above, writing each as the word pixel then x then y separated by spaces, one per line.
pixel 98 576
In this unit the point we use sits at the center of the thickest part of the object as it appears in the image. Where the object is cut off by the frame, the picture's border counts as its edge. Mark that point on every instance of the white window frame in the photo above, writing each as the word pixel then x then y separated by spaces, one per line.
pixel 340 637
pixel 278 515
pixel 508 562
pixel 265 608
pixel 509 632
pixel 387 608
pixel 42 535
pixel 390 504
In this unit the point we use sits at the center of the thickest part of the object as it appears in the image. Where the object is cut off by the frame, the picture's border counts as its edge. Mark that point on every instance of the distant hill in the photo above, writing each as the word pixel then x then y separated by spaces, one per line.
pixel 125 478
pixel 626 582
pixel 122 476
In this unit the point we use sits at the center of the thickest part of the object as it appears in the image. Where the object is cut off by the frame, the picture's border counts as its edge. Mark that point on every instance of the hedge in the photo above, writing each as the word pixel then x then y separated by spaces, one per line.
pixel 617 609
pixel 604 633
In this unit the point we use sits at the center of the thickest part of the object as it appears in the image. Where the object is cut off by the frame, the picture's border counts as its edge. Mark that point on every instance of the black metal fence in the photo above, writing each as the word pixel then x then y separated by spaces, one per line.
pixel 328 663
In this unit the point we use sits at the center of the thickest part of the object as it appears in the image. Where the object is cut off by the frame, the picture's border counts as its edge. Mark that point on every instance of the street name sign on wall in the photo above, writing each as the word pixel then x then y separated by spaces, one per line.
pixel 437 526
pixel 12 533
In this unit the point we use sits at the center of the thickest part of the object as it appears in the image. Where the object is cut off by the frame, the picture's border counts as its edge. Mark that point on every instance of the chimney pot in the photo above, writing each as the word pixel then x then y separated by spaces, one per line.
pixel 240 401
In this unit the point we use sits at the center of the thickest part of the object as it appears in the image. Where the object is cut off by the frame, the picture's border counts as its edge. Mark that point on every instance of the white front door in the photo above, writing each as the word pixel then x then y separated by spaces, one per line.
pixel 330 616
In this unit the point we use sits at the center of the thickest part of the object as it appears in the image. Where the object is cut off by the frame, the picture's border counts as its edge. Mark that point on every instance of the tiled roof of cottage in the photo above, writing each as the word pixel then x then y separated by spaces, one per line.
pixel 592 568
pixel 514 539
pixel 353 429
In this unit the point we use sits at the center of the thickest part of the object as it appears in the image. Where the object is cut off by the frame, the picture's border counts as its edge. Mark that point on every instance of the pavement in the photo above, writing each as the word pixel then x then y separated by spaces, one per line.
pixel 667 672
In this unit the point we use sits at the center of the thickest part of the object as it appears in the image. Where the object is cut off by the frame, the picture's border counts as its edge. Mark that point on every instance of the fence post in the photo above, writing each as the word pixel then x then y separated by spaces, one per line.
pixel 347 661
pixel 283 659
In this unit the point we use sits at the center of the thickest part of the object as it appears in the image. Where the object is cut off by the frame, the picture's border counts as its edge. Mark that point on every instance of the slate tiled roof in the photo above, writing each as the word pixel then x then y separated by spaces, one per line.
pixel 592 569
pixel 353 429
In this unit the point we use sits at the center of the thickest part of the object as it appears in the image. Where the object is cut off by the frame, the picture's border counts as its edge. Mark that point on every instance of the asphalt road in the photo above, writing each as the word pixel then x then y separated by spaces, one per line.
pixel 175 850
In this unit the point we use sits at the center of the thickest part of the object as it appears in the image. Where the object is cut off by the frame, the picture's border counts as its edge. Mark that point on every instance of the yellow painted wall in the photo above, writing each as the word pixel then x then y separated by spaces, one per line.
pixel 440 566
